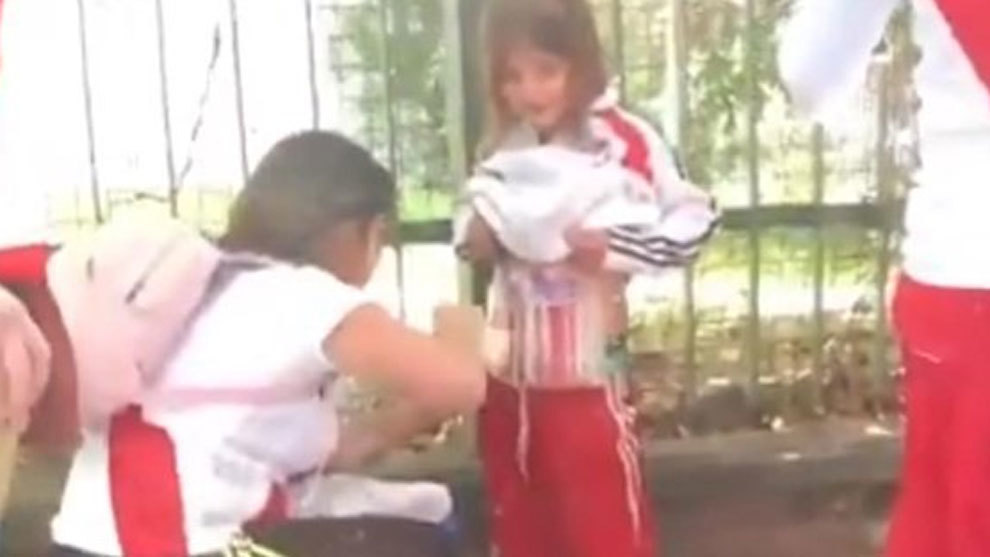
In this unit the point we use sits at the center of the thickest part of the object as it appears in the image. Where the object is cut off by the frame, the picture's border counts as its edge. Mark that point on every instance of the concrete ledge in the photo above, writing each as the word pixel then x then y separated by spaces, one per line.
pixel 819 490
pixel 829 452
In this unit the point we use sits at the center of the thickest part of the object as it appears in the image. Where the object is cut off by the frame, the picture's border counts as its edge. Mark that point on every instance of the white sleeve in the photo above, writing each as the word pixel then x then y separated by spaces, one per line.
pixel 825 49
pixel 688 218
pixel 321 303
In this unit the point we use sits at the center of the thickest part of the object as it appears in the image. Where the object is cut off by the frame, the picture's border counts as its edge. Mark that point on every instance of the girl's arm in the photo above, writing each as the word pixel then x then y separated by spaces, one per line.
pixel 825 48
pixel 432 381
pixel 376 348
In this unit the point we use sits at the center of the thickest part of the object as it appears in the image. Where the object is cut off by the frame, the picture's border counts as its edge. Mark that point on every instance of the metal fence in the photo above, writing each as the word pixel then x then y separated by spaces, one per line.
pixel 403 76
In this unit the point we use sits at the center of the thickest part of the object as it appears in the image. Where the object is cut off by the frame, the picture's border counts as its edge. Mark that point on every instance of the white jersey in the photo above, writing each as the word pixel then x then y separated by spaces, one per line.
pixel 824 53
pixel 209 469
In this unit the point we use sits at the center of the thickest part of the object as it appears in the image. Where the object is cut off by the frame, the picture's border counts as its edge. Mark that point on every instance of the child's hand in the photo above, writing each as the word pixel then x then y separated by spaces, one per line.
pixel 588 249
pixel 480 246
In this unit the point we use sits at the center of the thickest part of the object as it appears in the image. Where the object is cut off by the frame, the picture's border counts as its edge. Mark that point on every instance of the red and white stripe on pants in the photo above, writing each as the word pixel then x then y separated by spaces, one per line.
pixel 580 491
pixel 943 509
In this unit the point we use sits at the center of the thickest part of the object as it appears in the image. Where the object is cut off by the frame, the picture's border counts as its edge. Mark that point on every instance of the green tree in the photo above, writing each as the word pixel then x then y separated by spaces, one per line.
pixel 399 47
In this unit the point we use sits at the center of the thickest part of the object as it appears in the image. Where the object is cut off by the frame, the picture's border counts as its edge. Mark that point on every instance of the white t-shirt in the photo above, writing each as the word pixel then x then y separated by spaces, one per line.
pixel 265 327
pixel 824 53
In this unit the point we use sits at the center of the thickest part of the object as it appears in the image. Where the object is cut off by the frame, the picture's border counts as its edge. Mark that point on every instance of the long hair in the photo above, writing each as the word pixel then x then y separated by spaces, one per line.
pixel 564 28
pixel 304 185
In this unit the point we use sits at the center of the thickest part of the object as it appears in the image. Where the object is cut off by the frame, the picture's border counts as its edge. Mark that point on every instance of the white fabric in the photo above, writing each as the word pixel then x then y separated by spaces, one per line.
pixel 266 327
pixel 349 496
pixel 685 217
pixel 532 197
pixel 824 52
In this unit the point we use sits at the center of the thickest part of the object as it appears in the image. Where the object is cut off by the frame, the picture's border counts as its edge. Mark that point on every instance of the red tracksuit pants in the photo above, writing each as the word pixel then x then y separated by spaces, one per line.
pixel 943 509
pixel 562 470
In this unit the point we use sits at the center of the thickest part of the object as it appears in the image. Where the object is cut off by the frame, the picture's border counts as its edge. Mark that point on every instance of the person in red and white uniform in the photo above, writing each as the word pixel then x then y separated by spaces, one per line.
pixel 561 459
pixel 161 481
pixel 942 304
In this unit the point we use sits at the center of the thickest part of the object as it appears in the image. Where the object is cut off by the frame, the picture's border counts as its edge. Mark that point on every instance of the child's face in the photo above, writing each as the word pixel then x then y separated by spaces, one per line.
pixel 535 87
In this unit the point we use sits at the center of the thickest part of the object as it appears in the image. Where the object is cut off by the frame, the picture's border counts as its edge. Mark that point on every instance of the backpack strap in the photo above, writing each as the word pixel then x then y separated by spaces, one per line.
pixel 179 399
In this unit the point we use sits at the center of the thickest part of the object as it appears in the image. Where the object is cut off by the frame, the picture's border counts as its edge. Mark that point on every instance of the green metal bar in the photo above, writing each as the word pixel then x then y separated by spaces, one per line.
pixel 818 324
pixel 862 215
pixel 753 337
pixel 473 71
pixel 454 82
pixel 94 174
pixel 474 105
pixel 678 52
pixel 618 34
pixel 885 181
pixel 457 152
pixel 173 189
pixel 385 26
pixel 235 47
pixel 801 216
pixel 456 116
pixel 384 22
pixel 314 89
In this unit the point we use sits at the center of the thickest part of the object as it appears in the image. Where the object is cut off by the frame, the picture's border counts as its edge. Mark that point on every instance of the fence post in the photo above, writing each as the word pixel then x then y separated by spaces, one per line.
pixel 753 338
pixel 619 53
pixel 678 48
pixel 385 24
pixel 173 190
pixel 235 47
pixel 818 333
pixel 314 90
pixel 94 175
pixel 885 182
pixel 456 116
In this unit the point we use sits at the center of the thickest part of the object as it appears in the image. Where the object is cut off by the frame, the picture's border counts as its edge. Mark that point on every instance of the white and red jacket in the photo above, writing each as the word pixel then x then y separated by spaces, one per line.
pixel 531 198
pixel 551 326
pixel 824 53
pixel 164 481
pixel 687 215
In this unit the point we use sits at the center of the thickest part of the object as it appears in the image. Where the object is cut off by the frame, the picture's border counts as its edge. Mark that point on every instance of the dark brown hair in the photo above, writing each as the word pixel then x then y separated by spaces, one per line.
pixel 304 185
pixel 564 28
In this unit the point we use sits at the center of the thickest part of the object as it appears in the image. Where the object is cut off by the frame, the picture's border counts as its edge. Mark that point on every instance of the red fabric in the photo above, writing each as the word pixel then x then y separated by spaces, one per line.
pixel 573 500
pixel 144 488
pixel 55 423
pixel 55 418
pixel 637 156
pixel 970 23
pixel 24 264
pixel 944 504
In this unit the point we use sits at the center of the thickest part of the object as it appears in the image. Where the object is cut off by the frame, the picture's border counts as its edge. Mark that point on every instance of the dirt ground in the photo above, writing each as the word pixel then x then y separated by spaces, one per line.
pixel 820 491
